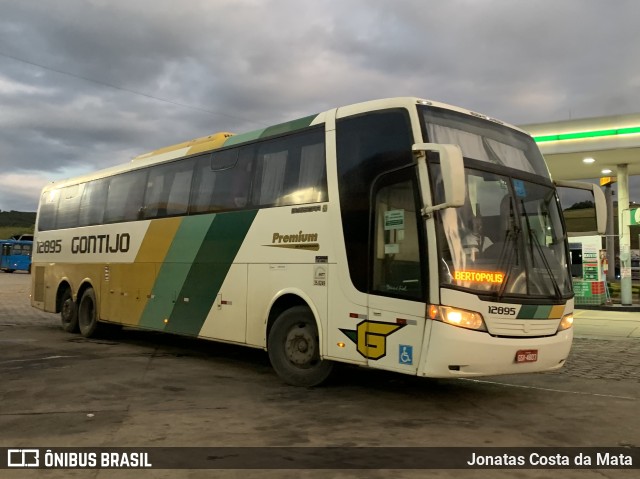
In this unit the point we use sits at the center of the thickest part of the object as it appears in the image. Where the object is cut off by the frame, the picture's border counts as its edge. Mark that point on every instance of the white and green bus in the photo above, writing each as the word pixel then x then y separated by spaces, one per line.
pixel 399 234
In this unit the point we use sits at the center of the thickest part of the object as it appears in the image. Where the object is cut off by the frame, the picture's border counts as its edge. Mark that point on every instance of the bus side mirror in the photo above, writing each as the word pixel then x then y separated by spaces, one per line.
pixel 584 208
pixel 452 168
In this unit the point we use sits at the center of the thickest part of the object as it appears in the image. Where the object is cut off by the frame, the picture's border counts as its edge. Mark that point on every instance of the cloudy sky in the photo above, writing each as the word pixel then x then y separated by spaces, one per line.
pixel 86 84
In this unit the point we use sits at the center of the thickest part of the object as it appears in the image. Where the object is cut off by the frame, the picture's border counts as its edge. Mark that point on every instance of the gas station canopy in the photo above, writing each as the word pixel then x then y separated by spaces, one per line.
pixel 589 148
pixel 595 148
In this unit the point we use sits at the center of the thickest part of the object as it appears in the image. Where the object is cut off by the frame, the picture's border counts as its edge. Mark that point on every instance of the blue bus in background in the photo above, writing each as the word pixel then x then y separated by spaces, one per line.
pixel 15 255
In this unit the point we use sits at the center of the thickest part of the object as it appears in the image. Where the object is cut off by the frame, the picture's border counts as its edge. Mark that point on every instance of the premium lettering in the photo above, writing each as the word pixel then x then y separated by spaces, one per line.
pixel 299 237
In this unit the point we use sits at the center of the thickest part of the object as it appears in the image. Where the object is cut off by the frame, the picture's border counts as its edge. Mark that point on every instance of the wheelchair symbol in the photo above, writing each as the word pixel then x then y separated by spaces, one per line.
pixel 406 354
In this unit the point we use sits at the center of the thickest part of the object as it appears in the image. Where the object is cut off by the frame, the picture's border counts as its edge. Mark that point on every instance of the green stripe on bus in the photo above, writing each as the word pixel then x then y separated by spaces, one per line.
pixel 174 270
pixel 527 312
pixel 535 312
pixel 274 130
pixel 289 126
pixel 543 312
pixel 219 247
pixel 243 138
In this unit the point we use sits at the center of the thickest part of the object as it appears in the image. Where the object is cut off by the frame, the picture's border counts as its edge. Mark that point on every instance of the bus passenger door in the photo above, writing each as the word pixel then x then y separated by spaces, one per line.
pixel 6 256
pixel 397 276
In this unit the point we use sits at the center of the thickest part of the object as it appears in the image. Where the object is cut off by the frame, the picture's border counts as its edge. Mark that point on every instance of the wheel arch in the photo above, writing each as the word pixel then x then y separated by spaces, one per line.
pixel 63 285
pixel 287 299
pixel 66 283
pixel 85 285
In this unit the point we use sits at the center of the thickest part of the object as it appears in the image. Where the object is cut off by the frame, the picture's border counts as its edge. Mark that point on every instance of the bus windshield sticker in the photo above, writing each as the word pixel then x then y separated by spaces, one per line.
pixel 394 220
pixel 521 191
pixel 392 248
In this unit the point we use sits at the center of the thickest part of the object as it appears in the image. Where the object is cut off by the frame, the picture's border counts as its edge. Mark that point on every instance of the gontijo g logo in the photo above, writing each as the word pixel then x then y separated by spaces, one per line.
pixel 370 337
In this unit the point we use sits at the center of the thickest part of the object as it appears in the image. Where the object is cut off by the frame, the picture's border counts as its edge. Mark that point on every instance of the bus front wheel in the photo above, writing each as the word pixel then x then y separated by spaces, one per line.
pixel 68 312
pixel 294 348
pixel 88 314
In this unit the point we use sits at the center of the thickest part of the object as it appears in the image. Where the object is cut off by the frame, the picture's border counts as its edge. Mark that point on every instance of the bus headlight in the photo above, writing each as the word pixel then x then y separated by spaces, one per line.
pixel 457 317
pixel 566 323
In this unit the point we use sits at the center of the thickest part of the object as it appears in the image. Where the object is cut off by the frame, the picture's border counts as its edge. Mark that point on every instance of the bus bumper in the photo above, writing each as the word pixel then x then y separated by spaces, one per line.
pixel 458 352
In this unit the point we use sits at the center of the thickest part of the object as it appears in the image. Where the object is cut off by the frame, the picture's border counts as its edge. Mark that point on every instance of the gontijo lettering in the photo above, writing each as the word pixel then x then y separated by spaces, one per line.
pixel 106 243
pixel 118 243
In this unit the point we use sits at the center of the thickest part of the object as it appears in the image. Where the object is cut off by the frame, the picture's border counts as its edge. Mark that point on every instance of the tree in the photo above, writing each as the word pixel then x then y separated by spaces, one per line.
pixel 582 205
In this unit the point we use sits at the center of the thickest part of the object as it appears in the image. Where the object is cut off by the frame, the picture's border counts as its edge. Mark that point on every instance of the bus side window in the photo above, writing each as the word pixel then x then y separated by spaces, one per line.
pixel 179 190
pixel 239 178
pixel 233 179
pixel 203 184
pixel 312 178
pixel 291 170
pixel 69 206
pixel 270 170
pixel 124 200
pixel 94 198
pixel 222 181
pixel 48 210
pixel 168 189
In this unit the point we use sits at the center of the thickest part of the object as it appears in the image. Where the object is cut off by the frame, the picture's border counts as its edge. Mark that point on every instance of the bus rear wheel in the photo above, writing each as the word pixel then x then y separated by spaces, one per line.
pixel 88 314
pixel 68 312
pixel 294 349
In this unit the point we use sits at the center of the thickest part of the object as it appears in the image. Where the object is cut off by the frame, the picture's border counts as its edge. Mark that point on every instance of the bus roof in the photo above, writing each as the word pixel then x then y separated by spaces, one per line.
pixel 186 148
pixel 224 139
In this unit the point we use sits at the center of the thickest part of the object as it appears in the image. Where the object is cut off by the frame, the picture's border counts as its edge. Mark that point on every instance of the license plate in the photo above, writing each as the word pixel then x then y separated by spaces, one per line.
pixel 527 356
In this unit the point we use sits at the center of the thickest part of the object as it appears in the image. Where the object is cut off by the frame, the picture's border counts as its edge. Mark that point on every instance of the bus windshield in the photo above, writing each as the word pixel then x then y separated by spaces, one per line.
pixel 484 140
pixel 508 239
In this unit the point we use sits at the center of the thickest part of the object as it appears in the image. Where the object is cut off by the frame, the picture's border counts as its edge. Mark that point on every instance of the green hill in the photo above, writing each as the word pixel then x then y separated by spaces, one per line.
pixel 16 223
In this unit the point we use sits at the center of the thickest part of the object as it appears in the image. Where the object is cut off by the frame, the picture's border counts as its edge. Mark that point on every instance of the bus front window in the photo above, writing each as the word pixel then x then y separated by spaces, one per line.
pixel 506 240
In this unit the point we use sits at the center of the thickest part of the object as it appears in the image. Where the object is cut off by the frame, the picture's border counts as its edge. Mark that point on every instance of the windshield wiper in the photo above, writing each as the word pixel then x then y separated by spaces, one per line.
pixel 506 255
pixel 533 240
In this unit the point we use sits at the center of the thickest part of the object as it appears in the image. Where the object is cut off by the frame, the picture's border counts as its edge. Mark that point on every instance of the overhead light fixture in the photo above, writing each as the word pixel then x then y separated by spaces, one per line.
pixel 588 160
pixel 606 171
pixel 588 134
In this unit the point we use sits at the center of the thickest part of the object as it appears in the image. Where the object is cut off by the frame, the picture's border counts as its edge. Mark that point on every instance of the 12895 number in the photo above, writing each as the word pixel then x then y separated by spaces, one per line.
pixel 503 310
pixel 51 246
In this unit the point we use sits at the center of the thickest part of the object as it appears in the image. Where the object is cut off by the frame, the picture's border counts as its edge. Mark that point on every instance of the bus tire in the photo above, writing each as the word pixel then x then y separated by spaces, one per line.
pixel 68 312
pixel 294 348
pixel 88 314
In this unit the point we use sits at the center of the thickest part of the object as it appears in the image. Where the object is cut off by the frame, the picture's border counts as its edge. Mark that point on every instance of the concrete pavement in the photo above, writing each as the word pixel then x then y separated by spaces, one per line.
pixel 606 324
